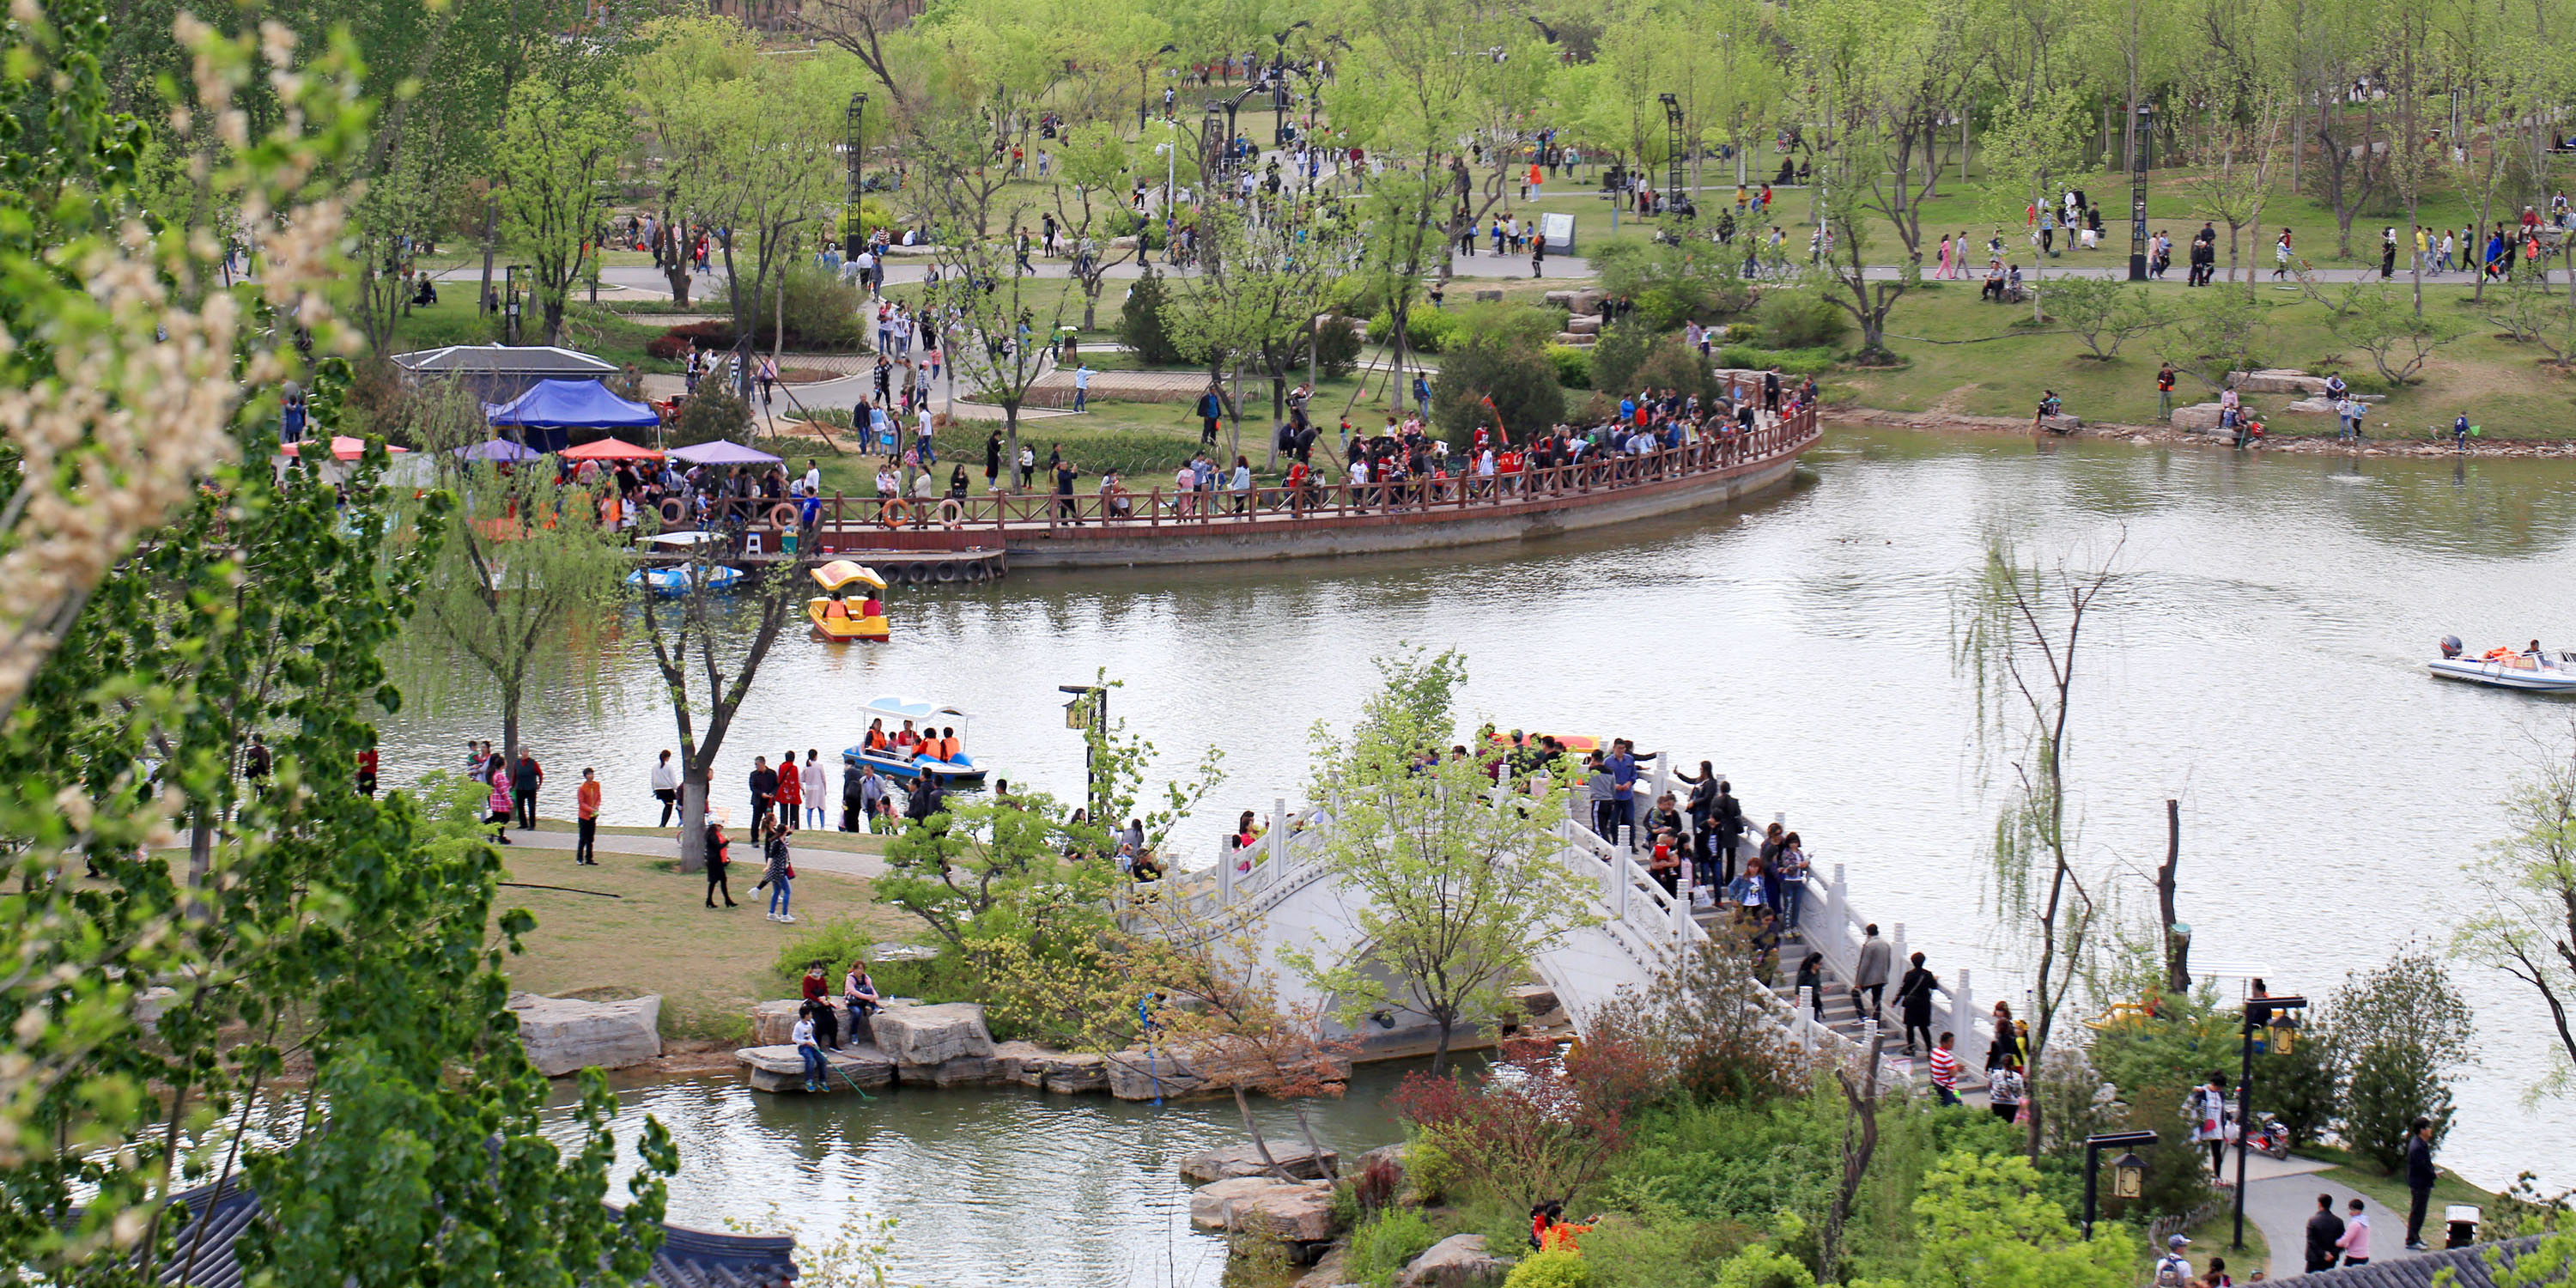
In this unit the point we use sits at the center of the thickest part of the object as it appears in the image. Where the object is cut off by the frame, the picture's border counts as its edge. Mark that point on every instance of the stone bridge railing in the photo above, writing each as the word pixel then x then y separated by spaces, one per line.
pixel 1646 928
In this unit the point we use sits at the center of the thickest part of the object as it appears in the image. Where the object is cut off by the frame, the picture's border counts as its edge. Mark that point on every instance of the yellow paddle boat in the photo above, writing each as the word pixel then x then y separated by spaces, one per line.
pixel 835 615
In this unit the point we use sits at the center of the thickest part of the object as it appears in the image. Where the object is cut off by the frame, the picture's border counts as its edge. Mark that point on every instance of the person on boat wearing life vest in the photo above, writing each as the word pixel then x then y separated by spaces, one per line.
pixel 876 740
pixel 907 744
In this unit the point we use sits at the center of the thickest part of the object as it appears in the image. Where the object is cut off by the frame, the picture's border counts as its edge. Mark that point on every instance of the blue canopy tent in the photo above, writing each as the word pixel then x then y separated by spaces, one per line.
pixel 551 409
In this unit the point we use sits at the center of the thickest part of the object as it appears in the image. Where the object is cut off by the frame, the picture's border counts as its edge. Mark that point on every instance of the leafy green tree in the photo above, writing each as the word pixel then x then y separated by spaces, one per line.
pixel 214 681
pixel 525 561
pixel 2398 1033
pixel 1452 894
pixel 559 153
pixel 1494 378
pixel 1986 1223
pixel 2102 313
pixel 1141 320
pixel 1093 164
pixel 2524 918
pixel 1255 302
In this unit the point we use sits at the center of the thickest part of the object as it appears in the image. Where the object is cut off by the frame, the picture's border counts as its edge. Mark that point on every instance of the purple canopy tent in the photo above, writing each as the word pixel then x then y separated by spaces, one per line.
pixel 722 453
pixel 498 449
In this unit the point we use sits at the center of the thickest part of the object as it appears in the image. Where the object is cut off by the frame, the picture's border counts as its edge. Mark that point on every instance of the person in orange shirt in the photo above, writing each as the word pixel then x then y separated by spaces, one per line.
pixel 588 801
pixel 876 735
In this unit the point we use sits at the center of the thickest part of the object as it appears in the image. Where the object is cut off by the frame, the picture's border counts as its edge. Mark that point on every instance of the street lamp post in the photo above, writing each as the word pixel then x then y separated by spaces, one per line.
pixel 852 234
pixel 1089 712
pixel 2264 1014
pixel 2138 194
pixel 2128 1171
pixel 1672 154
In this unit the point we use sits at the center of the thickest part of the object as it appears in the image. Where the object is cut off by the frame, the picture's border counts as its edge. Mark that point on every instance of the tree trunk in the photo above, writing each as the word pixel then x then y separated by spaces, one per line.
pixel 491 214
pixel 1243 1106
pixel 2177 942
pixel 1860 1142
pixel 693 821
pixel 1440 1052
pixel 510 700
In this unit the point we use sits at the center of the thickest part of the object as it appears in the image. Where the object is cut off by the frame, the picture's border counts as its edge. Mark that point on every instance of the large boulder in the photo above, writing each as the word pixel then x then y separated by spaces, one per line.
pixel 1212 1206
pixel 1459 1261
pixel 2202 417
pixel 563 1034
pixel 931 1035
pixel 1300 1212
pixel 773 1023
pixel 1245 1160
pixel 964 1071
pixel 2278 380
pixel 778 1068
pixel 1031 1065
pixel 2313 406
pixel 1137 1074
pixel 1583 323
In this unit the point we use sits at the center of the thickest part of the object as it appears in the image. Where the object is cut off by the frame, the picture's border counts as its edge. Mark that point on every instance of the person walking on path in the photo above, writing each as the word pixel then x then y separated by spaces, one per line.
pixel 1211 410
pixel 2173 1270
pixel 1869 975
pixel 2419 1181
pixel 716 863
pixel 586 805
pixel 666 788
pixel 526 777
pixel 2207 1110
pixel 1082 386
pixel 775 875
pixel 2004 1092
pixel 1914 1002
pixel 815 787
pixel 1791 865
pixel 1945 1072
pixel 803 1036
pixel 2356 1235
pixel 2325 1236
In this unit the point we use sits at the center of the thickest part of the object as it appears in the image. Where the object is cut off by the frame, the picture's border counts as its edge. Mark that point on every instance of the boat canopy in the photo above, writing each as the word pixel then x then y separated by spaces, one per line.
pixel 841 572
pixel 698 536
pixel 902 708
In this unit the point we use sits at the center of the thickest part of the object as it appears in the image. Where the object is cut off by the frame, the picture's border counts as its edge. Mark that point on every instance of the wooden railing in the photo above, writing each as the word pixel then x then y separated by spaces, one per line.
pixel 1163 507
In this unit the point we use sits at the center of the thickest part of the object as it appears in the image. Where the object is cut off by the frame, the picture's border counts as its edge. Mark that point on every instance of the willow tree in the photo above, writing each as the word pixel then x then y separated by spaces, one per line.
pixel 530 563
pixel 692 645
pixel 2523 921
pixel 1453 895
pixel 2019 638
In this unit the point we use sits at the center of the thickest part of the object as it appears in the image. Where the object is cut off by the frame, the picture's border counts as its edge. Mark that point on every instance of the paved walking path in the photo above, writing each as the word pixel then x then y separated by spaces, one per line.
pixel 842 862
pixel 2280 1195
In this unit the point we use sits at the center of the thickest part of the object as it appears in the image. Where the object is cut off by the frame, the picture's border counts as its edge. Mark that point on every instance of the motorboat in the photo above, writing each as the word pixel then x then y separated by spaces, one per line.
pixel 881 746
pixel 2533 669
pixel 835 615
pixel 672 580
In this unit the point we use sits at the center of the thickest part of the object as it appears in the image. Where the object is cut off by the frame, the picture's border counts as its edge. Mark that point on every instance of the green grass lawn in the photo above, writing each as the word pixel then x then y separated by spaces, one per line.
pixel 1998 371
pixel 2390 1191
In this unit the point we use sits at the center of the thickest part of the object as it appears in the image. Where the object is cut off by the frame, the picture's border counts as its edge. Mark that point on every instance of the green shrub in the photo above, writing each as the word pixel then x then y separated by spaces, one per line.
pixel 1675 365
pixel 1519 381
pixel 1141 324
pixel 1639 1252
pixel 1428 1167
pixel 1762 1266
pixel 1799 320
pixel 835 943
pixel 1573 366
pixel 1791 362
pixel 1426 329
pixel 823 313
pixel 1525 323
pixel 713 412
pixel 1337 346
pixel 1620 349
pixel 1382 1246
pixel 1562 1268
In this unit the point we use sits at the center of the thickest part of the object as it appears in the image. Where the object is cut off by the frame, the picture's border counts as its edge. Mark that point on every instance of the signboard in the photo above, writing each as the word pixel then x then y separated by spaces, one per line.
pixel 1558 232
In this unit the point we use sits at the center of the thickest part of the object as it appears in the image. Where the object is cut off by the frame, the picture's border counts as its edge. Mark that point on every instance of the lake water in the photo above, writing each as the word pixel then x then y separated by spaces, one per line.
pixel 2262 663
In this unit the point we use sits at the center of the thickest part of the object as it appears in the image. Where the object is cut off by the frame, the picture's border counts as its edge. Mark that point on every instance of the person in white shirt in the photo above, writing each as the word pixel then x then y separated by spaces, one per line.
pixel 813 479
pixel 803 1036
pixel 814 786
pixel 666 788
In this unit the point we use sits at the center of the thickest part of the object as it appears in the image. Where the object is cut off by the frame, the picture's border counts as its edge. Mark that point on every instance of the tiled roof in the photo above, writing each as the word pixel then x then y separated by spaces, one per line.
pixel 2469 1264
pixel 687 1258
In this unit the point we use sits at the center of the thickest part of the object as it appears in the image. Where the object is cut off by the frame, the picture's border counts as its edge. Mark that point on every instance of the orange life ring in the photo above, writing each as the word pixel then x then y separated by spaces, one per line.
pixel 782 515
pixel 672 512
pixel 893 512
pixel 951 513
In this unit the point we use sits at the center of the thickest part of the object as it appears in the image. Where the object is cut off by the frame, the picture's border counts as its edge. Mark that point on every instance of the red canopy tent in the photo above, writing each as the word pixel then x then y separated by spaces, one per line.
pixel 610 449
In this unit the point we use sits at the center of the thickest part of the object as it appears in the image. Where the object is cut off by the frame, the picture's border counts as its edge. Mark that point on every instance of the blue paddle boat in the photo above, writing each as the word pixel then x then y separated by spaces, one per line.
pixel 673 580
pixel 933 725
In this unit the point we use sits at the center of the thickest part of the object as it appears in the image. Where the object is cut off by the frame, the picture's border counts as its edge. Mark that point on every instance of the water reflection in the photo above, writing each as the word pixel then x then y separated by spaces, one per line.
pixel 2263 665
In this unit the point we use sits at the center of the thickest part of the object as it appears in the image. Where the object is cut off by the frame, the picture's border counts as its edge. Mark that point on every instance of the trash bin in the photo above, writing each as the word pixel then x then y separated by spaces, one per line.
pixel 2462 1219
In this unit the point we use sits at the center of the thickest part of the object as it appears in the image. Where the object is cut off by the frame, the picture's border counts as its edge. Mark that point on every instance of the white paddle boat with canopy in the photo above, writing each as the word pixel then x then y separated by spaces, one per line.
pixel 882 744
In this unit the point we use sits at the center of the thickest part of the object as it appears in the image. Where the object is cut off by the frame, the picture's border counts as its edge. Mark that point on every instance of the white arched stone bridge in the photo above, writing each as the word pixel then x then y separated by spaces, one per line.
pixel 1292 898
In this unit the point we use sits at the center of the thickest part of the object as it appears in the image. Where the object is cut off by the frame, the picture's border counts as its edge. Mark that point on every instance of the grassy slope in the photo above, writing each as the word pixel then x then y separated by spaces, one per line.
pixel 2500 385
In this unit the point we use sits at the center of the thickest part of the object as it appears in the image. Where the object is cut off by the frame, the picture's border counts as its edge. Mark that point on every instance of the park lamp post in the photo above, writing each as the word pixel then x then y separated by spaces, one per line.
pixel 1672 154
pixel 1141 65
pixel 1089 713
pixel 2128 1171
pixel 2138 193
pixel 853 231
pixel 2268 1016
